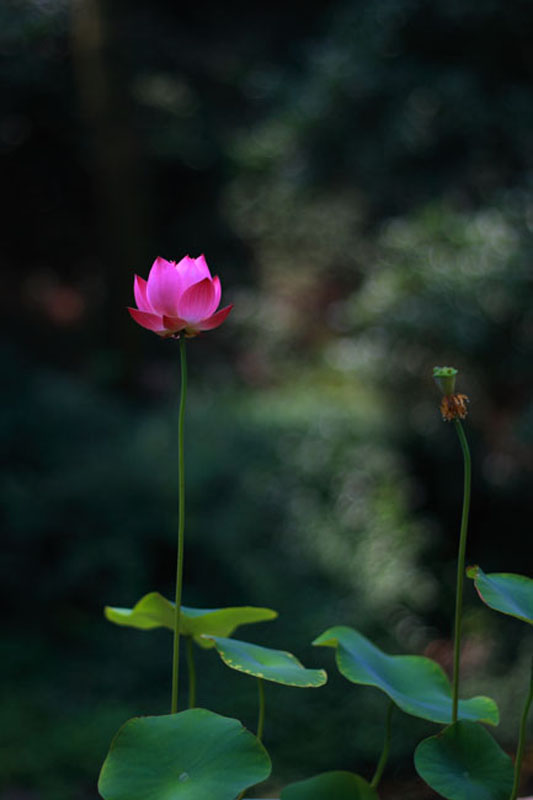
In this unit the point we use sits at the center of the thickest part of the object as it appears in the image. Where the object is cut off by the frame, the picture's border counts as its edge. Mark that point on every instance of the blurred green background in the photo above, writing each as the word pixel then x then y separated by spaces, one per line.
pixel 359 175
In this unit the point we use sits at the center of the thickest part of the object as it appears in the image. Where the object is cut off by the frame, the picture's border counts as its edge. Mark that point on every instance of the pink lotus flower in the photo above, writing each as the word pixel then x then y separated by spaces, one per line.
pixel 178 297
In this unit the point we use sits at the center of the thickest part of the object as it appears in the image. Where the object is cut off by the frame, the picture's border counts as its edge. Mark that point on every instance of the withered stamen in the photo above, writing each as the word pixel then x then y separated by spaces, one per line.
pixel 453 406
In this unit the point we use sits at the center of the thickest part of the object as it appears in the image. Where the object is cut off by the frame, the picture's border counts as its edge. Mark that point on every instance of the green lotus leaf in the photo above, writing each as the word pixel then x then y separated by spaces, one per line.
pixel 465 763
pixel 186 756
pixel 336 785
pixel 263 662
pixel 155 611
pixel 330 786
pixel 151 611
pixel 416 684
pixel 503 591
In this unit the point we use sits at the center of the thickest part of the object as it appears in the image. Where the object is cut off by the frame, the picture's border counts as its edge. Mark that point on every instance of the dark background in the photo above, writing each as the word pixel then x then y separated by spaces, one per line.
pixel 359 175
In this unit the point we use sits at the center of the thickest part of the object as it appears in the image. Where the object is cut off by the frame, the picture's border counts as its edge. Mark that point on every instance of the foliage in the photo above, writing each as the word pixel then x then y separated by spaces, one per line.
pixel 217 758
pixel 278 666
pixel 415 684
pixel 155 611
pixel 110 524
pixel 464 762
pixel 508 593
pixel 341 785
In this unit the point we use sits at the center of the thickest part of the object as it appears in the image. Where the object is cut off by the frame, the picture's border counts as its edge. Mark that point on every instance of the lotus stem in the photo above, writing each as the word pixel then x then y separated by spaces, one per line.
pixel 192 671
pixel 260 718
pixel 522 739
pixel 460 568
pixel 386 748
pixel 181 528
pixel 261 714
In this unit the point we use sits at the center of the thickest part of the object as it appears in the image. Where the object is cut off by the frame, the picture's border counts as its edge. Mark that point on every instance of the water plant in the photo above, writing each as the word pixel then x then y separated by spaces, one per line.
pixel 195 754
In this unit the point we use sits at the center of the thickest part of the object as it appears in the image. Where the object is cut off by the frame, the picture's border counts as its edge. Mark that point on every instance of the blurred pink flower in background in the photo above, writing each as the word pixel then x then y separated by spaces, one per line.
pixel 178 297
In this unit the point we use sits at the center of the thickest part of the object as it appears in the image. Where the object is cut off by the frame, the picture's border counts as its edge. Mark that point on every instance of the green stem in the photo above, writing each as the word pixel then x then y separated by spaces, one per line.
pixel 261 714
pixel 386 748
pixel 460 568
pixel 181 529
pixel 260 718
pixel 192 671
pixel 522 740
